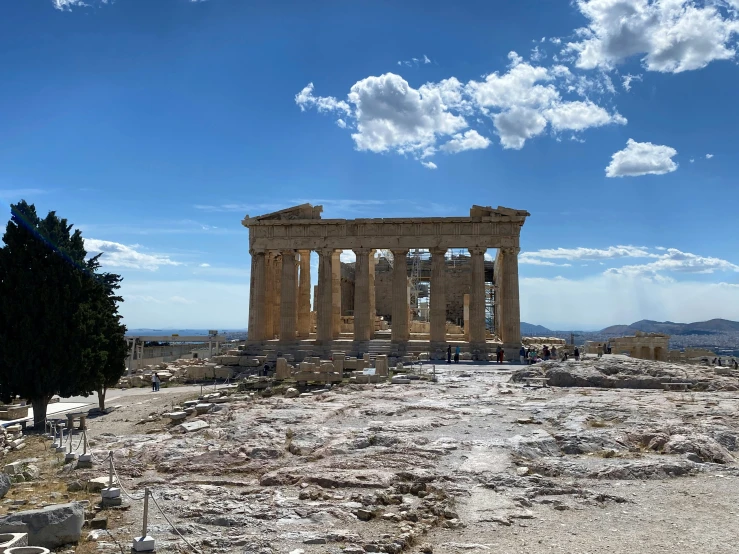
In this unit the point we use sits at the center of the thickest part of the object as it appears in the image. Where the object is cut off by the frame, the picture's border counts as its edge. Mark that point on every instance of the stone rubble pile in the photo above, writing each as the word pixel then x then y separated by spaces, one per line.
pixel 11 438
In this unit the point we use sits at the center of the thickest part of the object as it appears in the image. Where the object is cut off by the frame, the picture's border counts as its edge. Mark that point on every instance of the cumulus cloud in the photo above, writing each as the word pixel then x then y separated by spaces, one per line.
pixel 642 158
pixel 389 115
pixel 668 35
pixel 560 303
pixel 709 156
pixel 470 140
pixel 429 165
pixel 116 254
pixel 581 253
pixel 674 260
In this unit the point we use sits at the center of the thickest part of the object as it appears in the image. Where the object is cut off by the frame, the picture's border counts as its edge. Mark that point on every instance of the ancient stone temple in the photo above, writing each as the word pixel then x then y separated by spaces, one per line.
pixel 379 298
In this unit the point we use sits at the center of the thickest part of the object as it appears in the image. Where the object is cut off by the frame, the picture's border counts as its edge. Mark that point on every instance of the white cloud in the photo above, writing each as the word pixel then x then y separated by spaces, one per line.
pixel 116 254
pixel 341 123
pixel 709 156
pixel 669 35
pixel 523 259
pixel 642 158
pixel 393 116
pixel 675 260
pixel 565 304
pixel 426 59
pixel 415 62
pixel 181 300
pixel 692 160
pixel 204 265
pixel 348 256
pixel 429 165
pixel 581 253
pixel 470 140
pixel 627 80
pixel 67 4
pixel 389 115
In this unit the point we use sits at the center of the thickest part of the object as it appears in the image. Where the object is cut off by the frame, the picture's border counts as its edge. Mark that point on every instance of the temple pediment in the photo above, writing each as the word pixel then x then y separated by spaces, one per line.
pixel 302 211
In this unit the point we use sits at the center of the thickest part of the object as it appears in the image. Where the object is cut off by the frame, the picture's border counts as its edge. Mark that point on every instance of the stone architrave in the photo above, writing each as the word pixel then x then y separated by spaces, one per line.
pixel 304 295
pixel 477 297
pixel 399 328
pixel 325 294
pixel 438 295
pixel 288 324
pixel 336 294
pixel 361 295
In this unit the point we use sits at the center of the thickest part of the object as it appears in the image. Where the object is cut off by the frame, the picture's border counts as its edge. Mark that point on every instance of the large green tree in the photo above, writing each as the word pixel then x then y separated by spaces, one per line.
pixel 59 328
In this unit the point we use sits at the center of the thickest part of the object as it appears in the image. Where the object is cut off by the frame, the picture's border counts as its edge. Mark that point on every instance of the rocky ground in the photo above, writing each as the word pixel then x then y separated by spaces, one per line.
pixel 472 463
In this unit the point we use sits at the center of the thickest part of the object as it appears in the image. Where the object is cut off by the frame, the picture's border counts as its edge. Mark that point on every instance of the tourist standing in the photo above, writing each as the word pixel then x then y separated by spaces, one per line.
pixel 449 354
pixel 577 354
pixel 498 350
pixel 456 355
pixel 554 353
pixel 157 381
pixel 153 382
pixel 522 355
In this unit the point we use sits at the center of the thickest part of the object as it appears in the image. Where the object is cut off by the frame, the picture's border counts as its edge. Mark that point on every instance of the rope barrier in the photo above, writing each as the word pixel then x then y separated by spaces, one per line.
pixel 120 485
pixel 172 524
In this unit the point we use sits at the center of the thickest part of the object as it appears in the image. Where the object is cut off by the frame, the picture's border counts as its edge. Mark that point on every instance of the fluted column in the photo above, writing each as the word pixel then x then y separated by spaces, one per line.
pixel 477 296
pixel 336 294
pixel 288 325
pixel 323 302
pixel 372 307
pixel 438 295
pixel 257 303
pixel 400 297
pixel 269 295
pixel 251 295
pixel 277 295
pixel 510 316
pixel 304 295
pixel 361 295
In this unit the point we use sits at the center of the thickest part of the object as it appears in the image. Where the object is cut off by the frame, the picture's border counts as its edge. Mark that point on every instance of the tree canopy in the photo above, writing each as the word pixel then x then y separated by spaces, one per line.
pixel 60 331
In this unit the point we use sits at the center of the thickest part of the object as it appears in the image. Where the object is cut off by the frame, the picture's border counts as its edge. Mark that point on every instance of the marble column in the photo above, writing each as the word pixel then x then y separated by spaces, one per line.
pixel 288 324
pixel 258 304
pixel 276 295
pixel 304 295
pixel 372 310
pixel 336 294
pixel 324 300
pixel 361 295
pixel 400 297
pixel 438 295
pixel 477 296
pixel 269 295
pixel 510 309
pixel 251 295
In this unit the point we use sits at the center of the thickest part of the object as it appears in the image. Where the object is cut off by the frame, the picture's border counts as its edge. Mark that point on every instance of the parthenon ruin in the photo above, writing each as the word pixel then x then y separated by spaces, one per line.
pixel 346 317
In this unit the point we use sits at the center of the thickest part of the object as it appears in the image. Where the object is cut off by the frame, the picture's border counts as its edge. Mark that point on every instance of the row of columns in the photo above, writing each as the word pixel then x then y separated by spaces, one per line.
pixel 277 287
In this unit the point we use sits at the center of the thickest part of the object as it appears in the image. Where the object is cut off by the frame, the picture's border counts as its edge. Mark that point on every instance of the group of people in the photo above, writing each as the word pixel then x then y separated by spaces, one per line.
pixel 155 382
pixel 457 350
pixel 732 363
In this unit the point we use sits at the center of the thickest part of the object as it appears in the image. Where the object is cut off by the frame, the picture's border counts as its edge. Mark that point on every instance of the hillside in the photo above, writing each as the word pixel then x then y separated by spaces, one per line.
pixel 671 328
pixel 534 330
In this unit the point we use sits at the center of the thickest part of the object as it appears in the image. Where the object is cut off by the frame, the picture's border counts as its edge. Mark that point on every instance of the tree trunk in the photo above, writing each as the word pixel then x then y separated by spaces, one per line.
pixel 101 398
pixel 39 411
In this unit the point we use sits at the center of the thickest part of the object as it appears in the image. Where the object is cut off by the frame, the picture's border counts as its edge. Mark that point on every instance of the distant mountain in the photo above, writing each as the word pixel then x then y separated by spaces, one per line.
pixel 534 330
pixel 671 328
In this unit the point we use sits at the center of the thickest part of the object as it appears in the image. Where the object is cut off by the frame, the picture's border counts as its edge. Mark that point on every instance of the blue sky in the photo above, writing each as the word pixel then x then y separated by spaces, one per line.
pixel 156 126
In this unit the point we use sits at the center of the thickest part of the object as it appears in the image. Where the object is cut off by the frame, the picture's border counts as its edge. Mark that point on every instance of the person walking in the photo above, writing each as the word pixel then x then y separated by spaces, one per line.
pixel 577 354
pixel 449 354
pixel 554 353
pixel 498 350
pixel 157 381
pixel 153 382
pixel 456 355
pixel 522 355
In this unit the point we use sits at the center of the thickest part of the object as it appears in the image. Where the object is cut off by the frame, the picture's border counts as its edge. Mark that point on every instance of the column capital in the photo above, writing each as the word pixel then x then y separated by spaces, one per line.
pixel 325 252
pixel 362 251
pixel 477 250
pixel 255 251
pixel 438 251
pixel 400 251
pixel 288 252
pixel 510 250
